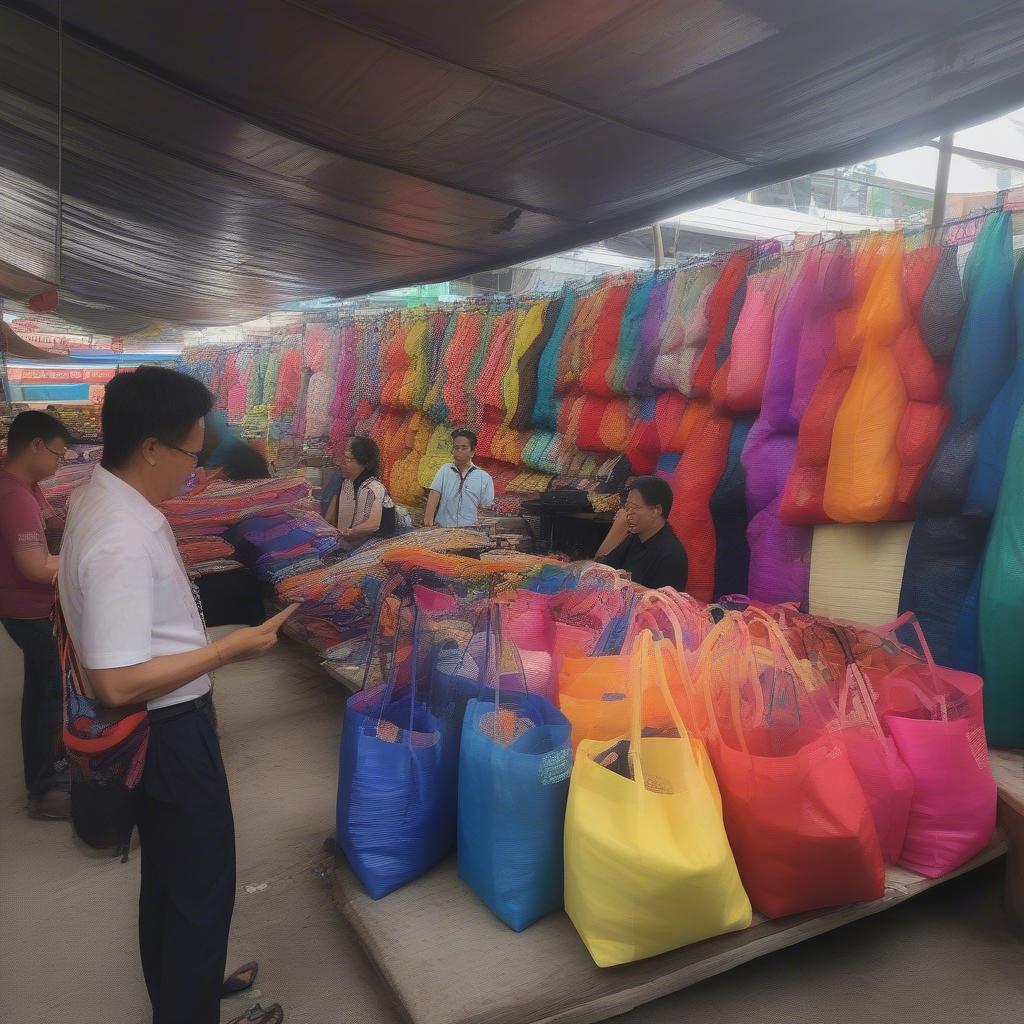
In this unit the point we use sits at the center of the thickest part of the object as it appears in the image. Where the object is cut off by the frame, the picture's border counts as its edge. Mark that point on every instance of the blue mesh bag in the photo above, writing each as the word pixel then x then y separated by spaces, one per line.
pixel 997 426
pixel 545 406
pixel 513 785
pixel 983 357
pixel 397 794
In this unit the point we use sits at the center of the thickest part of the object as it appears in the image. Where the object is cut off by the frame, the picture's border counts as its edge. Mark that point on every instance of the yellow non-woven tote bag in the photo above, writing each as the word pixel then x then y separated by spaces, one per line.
pixel 648 866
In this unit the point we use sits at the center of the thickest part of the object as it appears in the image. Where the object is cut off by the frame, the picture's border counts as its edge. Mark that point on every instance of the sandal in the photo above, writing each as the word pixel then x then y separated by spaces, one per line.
pixel 241 980
pixel 257 1015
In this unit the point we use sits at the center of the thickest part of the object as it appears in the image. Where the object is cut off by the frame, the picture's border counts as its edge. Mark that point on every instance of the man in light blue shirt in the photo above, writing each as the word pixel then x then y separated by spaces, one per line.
pixel 461 488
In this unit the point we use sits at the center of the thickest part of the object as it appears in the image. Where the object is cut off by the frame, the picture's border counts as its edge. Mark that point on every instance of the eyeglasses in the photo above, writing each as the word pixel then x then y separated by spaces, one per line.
pixel 60 455
pixel 194 456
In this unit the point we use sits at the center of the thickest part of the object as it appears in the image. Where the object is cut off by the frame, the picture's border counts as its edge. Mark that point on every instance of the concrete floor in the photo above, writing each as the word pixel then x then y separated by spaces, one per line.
pixel 68 948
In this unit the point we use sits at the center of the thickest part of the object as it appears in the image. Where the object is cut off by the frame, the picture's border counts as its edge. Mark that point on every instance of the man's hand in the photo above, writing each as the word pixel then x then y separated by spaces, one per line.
pixel 253 641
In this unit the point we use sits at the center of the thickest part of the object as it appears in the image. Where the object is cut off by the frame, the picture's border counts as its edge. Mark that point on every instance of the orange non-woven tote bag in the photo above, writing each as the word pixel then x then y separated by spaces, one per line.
pixel 647 863
pixel 795 812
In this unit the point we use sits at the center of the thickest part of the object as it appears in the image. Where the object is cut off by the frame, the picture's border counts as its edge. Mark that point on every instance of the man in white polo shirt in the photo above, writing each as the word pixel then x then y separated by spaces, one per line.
pixel 132 617
pixel 460 489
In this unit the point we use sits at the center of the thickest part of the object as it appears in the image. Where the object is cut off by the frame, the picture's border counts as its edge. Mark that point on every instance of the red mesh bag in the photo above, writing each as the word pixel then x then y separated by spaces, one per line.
pixel 605 338
pixel 668 414
pixel 591 414
pixel 703 461
pixel 718 308
pixel 499 353
pixel 924 378
pixel 918 270
pixel 921 429
pixel 642 447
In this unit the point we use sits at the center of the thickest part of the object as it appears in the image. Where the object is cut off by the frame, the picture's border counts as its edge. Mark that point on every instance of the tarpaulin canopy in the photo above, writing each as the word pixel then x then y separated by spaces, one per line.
pixel 223 158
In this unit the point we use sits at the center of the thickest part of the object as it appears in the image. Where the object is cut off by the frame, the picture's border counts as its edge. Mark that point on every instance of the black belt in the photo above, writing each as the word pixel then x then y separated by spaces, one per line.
pixel 177 710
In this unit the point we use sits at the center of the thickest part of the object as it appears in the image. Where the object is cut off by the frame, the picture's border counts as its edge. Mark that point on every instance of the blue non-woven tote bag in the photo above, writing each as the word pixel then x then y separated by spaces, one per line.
pixel 515 763
pixel 397 798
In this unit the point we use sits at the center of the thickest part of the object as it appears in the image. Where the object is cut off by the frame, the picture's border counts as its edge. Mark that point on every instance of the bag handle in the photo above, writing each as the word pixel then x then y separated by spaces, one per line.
pixel 387 591
pixel 649 653
pixel 910 619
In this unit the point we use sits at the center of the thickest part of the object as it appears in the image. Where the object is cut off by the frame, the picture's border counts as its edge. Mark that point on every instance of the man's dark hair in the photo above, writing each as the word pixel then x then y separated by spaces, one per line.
pixel 467 434
pixel 366 453
pixel 654 491
pixel 153 401
pixel 27 426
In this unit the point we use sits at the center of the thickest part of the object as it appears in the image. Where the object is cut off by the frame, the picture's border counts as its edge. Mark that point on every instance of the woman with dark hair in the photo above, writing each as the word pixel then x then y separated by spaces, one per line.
pixel 363 507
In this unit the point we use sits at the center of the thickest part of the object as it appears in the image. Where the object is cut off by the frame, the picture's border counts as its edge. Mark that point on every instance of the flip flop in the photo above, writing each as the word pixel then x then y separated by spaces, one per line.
pixel 240 980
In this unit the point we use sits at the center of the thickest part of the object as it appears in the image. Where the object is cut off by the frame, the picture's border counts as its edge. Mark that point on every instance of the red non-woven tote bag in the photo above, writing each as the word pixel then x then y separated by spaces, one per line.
pixel 795 812
pixel 934 716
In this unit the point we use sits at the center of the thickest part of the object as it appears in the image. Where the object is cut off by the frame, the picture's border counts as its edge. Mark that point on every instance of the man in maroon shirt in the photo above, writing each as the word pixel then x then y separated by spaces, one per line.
pixel 36 444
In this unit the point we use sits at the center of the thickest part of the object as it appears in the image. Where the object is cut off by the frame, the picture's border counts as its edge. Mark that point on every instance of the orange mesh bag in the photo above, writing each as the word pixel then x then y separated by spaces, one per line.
pixel 604 340
pixel 718 308
pixel 459 355
pixel 575 351
pixel 700 468
pixel 747 364
pixel 860 486
pixel 668 414
pixel 694 416
pixel 803 496
pixel 613 430
pixel 394 360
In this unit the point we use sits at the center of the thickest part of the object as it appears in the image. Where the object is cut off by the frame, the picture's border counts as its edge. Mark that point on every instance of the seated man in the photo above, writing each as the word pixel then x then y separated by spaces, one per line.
pixel 641 542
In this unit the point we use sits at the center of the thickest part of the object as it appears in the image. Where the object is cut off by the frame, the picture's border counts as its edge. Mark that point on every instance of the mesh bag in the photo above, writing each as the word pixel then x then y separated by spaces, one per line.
pixel 603 340
pixel 996 428
pixel 529 328
pixel 780 558
pixel 638 377
pixel 488 388
pixel 942 309
pixel 464 344
pixel 700 469
pixel 642 446
pixel 545 406
pixel 984 354
pixel 629 332
pixel 944 488
pixel 668 415
pixel 529 386
pixel 921 430
pixel 797 818
pixel 575 350
pixel 752 342
pixel 942 558
pixel 860 485
pixel 1000 603
pixel 718 312
pixel 767 458
pixel 728 507
pixel 833 292
pixel 685 329
pixel 791 311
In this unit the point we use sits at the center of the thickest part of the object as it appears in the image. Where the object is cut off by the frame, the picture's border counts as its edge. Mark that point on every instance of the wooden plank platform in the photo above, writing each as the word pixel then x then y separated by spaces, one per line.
pixel 447 960
pixel 1008 769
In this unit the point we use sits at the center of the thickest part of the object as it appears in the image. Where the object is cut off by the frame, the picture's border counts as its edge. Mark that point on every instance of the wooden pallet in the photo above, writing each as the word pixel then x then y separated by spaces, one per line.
pixel 447 960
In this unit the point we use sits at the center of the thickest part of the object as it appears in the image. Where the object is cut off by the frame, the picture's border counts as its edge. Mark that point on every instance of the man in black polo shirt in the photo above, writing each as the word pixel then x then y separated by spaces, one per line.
pixel 641 542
